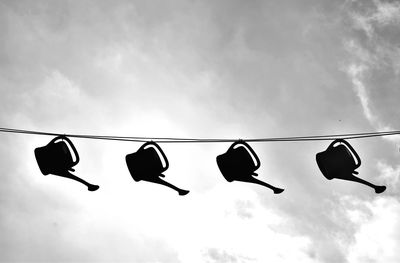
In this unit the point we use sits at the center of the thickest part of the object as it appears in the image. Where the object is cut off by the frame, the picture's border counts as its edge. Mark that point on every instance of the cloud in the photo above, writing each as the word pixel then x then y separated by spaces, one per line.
pixel 192 69
pixel 221 256
pixel 225 235
pixel 390 175
pixel 378 14
pixel 355 73
pixel 377 235
pixel 373 70
pixel 373 63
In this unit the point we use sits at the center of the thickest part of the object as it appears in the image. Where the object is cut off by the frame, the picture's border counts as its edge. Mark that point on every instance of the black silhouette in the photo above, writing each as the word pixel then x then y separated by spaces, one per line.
pixel 146 165
pixel 55 158
pixel 338 162
pixel 238 165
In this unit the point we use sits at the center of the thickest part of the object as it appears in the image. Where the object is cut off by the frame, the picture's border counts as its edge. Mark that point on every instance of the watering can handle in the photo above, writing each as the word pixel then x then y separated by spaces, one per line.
pixel 155 145
pixel 247 146
pixel 348 146
pixel 63 137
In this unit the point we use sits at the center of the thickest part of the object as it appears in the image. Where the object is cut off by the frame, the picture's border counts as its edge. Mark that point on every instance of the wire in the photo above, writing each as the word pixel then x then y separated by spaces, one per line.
pixel 330 137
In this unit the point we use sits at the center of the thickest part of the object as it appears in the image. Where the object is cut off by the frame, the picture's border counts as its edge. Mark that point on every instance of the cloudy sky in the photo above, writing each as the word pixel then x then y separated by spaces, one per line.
pixel 223 69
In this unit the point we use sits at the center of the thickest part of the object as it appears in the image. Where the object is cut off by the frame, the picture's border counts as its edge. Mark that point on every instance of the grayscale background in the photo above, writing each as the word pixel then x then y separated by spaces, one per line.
pixel 221 69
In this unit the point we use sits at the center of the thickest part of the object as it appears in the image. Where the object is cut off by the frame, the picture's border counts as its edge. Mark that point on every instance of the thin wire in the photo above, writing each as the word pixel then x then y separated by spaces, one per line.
pixel 347 136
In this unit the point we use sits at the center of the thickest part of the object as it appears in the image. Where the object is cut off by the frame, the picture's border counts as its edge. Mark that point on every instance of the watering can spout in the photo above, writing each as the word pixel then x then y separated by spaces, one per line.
pixel 158 180
pixel 378 188
pixel 66 174
pixel 251 179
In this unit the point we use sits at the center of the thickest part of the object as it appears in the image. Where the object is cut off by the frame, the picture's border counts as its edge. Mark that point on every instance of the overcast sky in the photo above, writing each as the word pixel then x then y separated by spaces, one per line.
pixel 223 69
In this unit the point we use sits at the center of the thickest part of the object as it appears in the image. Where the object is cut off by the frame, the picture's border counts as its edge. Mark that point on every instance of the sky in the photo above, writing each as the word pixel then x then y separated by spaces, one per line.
pixel 212 69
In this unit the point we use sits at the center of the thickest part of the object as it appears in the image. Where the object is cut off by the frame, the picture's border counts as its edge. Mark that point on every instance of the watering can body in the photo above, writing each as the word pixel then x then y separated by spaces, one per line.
pixel 338 161
pixel 56 157
pixel 237 163
pixel 146 162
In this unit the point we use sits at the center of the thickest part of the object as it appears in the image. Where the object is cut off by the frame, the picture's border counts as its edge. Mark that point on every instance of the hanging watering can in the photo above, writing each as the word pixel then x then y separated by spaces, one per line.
pixel 340 162
pixel 56 158
pixel 240 164
pixel 145 164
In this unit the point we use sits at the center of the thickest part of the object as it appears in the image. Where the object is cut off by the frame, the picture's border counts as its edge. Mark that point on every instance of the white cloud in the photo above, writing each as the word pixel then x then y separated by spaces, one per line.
pixel 225 233
pixel 383 13
pixel 389 174
pixel 373 59
pixel 362 22
pixel 387 12
pixel 355 72
pixel 377 237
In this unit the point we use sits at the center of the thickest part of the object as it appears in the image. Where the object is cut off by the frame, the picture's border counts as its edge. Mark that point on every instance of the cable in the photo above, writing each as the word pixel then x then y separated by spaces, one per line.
pixel 347 136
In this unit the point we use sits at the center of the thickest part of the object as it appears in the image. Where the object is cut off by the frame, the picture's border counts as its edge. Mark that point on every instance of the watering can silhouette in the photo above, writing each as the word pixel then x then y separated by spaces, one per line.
pixel 145 164
pixel 340 162
pixel 237 164
pixel 55 158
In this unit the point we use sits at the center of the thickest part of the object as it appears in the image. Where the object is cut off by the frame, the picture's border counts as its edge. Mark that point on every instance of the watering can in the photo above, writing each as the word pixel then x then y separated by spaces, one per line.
pixel 56 158
pixel 239 163
pixel 340 162
pixel 145 164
